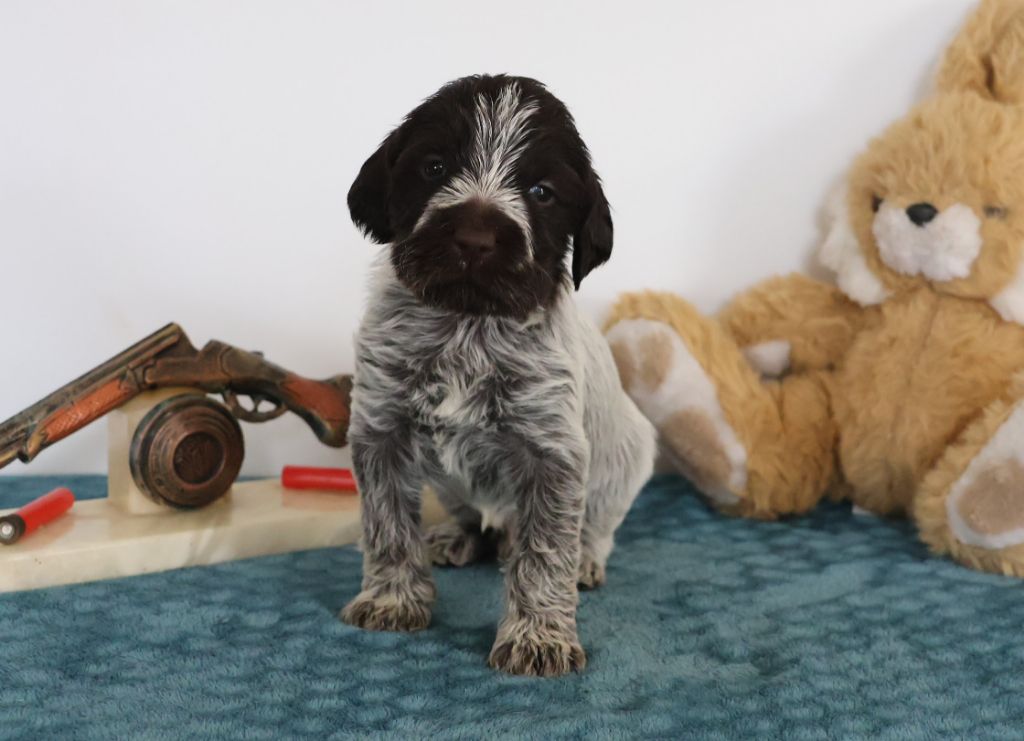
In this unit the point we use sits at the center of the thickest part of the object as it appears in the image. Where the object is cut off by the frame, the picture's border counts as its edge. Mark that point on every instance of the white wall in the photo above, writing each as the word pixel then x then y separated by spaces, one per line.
pixel 188 160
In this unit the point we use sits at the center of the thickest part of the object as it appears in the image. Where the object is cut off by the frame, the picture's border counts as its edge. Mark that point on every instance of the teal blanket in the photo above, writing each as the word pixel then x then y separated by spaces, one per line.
pixel 832 625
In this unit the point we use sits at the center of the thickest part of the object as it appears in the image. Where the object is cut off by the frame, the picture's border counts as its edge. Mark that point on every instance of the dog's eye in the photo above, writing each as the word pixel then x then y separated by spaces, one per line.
pixel 995 212
pixel 876 203
pixel 434 168
pixel 542 194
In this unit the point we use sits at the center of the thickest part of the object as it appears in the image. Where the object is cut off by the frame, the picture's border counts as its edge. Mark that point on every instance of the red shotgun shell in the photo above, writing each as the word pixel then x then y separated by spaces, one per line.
pixel 34 515
pixel 325 479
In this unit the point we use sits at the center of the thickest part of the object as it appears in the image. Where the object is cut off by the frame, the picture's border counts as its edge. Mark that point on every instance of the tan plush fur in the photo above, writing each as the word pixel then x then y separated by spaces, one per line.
pixel 902 374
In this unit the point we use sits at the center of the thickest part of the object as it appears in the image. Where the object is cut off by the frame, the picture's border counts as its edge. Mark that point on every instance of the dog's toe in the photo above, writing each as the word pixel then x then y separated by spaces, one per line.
pixel 537 653
pixel 451 545
pixel 386 612
pixel 591 574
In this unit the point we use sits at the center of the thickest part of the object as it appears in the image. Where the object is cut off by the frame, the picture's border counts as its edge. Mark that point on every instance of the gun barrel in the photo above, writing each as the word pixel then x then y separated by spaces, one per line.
pixel 84 400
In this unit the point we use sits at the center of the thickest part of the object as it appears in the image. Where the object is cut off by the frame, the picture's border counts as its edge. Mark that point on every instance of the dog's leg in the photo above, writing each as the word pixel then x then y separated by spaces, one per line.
pixel 622 462
pixel 397 588
pixel 537 636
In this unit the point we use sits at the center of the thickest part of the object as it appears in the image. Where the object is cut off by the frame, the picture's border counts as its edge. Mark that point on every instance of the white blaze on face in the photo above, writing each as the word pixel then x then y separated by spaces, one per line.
pixel 501 128
pixel 942 249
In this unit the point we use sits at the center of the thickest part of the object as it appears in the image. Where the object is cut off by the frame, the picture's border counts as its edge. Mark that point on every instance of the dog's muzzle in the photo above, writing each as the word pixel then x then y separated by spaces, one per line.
pixel 474 235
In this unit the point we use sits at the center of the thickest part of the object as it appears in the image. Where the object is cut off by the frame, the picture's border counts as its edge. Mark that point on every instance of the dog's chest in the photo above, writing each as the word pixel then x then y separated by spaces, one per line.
pixel 470 384
pixel 475 390
pixel 465 397
pixel 450 398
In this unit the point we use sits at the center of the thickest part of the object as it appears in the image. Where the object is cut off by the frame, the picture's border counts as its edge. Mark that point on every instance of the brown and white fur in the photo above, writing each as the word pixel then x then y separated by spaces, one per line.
pixel 477 375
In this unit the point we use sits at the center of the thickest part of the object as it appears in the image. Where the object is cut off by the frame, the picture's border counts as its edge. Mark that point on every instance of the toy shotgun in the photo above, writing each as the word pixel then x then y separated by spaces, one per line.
pixel 167 358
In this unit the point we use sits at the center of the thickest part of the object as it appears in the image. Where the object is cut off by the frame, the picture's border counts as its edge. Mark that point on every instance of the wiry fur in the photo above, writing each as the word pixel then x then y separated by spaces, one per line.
pixel 904 378
pixel 502 125
pixel 504 400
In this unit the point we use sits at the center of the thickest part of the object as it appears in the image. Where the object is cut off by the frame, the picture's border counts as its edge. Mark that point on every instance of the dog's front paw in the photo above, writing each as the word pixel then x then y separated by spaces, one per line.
pixel 450 544
pixel 536 651
pixel 591 573
pixel 386 611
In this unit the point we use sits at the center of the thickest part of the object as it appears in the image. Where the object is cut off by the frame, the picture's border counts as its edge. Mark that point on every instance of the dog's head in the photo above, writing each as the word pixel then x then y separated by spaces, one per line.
pixel 480 192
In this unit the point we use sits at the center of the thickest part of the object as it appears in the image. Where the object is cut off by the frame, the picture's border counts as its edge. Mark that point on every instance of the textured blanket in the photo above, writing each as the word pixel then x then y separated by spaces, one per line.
pixel 833 625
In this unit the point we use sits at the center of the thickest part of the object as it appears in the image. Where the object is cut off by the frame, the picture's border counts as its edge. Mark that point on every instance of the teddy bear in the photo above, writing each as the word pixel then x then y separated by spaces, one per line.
pixel 900 385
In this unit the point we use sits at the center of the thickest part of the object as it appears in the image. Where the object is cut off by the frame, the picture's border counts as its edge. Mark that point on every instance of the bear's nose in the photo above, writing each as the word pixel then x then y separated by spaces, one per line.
pixel 475 239
pixel 922 213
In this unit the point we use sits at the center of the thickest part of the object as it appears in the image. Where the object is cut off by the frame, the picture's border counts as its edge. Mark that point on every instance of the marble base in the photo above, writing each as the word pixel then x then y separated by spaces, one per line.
pixel 98 540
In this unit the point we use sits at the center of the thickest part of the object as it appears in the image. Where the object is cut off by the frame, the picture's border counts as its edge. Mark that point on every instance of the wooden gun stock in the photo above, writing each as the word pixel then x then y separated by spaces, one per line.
pixel 167 358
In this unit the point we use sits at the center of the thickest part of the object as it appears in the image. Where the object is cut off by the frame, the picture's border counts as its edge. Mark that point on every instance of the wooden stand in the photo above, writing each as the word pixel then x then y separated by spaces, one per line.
pixel 128 534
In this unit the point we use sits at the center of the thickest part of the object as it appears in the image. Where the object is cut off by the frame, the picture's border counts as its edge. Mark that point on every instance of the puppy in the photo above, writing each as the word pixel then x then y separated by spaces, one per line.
pixel 476 375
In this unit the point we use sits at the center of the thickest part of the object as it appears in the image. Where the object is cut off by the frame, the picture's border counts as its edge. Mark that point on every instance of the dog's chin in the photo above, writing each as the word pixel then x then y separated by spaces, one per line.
pixel 473 289
pixel 495 287
pixel 468 298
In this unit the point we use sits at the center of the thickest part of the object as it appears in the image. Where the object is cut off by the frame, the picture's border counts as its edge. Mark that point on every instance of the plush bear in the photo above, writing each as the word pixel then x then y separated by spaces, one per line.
pixel 901 386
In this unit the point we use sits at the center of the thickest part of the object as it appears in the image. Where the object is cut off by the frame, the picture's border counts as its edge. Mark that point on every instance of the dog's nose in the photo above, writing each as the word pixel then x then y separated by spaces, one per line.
pixel 922 213
pixel 474 239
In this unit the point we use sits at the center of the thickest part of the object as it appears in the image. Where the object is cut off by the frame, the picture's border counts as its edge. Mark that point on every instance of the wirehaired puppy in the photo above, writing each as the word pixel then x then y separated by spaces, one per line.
pixel 476 375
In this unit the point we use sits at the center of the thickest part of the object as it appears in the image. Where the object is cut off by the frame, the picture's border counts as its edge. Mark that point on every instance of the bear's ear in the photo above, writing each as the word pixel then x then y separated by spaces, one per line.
pixel 987 56
pixel 841 253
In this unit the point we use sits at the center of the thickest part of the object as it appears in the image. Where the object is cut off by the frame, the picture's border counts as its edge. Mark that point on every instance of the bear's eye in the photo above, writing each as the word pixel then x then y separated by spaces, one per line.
pixel 995 212
pixel 876 203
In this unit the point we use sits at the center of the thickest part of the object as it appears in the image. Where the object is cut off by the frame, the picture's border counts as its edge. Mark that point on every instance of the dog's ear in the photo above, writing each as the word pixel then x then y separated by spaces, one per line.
pixel 368 197
pixel 592 243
